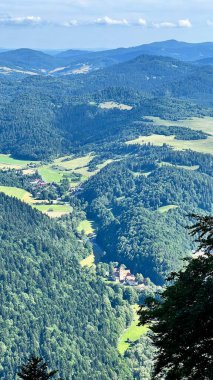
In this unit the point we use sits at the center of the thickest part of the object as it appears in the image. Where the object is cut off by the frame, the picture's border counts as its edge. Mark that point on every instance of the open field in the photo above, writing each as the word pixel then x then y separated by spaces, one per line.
pixel 164 209
pixel 14 192
pixel 89 261
pixel 7 162
pixel 132 333
pixel 71 163
pixel 86 226
pixel 201 146
pixel 193 168
pixel 49 174
pixel 112 105
pixel 65 166
pixel 57 170
pixel 204 124
pixel 52 210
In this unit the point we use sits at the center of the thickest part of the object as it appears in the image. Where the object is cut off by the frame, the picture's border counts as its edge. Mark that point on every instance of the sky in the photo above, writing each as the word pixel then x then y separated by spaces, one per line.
pixel 97 24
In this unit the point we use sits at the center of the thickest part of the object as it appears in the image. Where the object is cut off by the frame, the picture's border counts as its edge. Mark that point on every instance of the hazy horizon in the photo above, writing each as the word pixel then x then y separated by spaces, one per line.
pixel 58 49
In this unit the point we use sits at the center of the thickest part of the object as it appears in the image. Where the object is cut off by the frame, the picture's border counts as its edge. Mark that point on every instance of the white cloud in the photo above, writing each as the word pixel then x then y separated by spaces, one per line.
pixel 111 21
pixel 185 23
pixel 165 24
pixel 142 22
pixel 21 20
pixel 70 23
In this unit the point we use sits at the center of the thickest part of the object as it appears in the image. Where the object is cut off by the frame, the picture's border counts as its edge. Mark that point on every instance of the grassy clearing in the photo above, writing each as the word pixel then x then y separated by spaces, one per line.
pixel 49 174
pixel 86 226
pixel 14 192
pixel 192 168
pixel 202 146
pixel 52 207
pixel 165 209
pixel 53 211
pixel 57 170
pixel 204 124
pixel 71 163
pixel 112 105
pixel 89 261
pixel 6 161
pixel 68 165
pixel 132 333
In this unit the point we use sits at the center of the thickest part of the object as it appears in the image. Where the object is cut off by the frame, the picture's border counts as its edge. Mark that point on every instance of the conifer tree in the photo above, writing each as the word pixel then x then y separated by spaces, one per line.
pixel 36 369
pixel 182 321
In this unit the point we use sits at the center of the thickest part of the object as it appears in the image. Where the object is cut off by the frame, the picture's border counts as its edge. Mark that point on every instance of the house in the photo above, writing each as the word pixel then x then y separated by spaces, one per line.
pixel 124 276
pixel 123 273
pixel 130 280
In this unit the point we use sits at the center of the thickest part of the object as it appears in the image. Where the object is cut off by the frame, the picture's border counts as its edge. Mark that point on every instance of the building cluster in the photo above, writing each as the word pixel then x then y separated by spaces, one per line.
pixel 124 276
pixel 38 183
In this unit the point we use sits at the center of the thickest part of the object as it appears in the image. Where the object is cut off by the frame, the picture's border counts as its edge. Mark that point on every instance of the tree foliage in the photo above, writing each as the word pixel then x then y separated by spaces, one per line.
pixel 35 369
pixel 182 321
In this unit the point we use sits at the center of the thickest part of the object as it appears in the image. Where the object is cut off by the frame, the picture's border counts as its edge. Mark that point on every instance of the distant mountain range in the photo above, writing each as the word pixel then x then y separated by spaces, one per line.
pixel 73 62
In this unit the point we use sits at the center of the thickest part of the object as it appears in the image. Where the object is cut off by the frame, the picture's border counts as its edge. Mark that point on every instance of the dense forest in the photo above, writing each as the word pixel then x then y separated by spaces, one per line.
pixel 43 117
pixel 126 204
pixel 52 307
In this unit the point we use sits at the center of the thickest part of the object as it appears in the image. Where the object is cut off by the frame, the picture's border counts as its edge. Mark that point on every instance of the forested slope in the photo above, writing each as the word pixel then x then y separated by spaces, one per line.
pixel 49 305
pixel 141 208
pixel 43 117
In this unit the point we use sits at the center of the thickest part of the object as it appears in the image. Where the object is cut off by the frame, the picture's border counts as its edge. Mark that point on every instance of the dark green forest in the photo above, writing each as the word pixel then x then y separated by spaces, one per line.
pixel 125 204
pixel 49 305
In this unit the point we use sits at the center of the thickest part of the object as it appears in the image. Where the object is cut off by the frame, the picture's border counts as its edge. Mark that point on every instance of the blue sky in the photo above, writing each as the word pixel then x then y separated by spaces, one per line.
pixel 61 24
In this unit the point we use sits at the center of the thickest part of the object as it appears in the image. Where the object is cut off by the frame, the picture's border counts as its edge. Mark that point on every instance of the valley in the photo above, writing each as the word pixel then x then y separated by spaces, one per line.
pixel 104 157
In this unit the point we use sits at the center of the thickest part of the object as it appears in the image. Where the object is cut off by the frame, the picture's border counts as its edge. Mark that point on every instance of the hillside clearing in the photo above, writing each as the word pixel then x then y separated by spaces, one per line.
pixel 89 261
pixel 164 209
pixel 112 105
pixel 185 167
pixel 15 192
pixel 201 146
pixel 132 333
pixel 52 210
pixel 7 162
pixel 204 124
pixel 86 226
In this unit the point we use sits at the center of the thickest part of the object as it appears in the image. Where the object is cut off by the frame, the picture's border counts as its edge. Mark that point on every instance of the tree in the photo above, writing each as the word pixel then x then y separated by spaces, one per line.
pixel 182 321
pixel 36 369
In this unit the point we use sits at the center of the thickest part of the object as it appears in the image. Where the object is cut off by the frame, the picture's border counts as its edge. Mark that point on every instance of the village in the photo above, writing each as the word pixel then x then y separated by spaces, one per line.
pixel 124 276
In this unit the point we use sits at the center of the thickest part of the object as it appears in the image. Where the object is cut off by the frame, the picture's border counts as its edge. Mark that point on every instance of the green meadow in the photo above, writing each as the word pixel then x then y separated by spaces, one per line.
pixel 86 226
pixel 201 146
pixel 6 161
pixel 204 124
pixel 132 333
pixel 14 192
pixel 89 261
pixel 52 210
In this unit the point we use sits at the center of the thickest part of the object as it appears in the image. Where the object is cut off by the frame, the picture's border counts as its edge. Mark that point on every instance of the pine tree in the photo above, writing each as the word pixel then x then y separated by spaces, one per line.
pixel 182 322
pixel 36 369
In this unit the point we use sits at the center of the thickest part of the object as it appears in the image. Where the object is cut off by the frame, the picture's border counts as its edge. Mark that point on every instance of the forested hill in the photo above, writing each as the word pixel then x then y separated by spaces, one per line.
pixel 49 305
pixel 141 205
pixel 23 62
pixel 44 117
